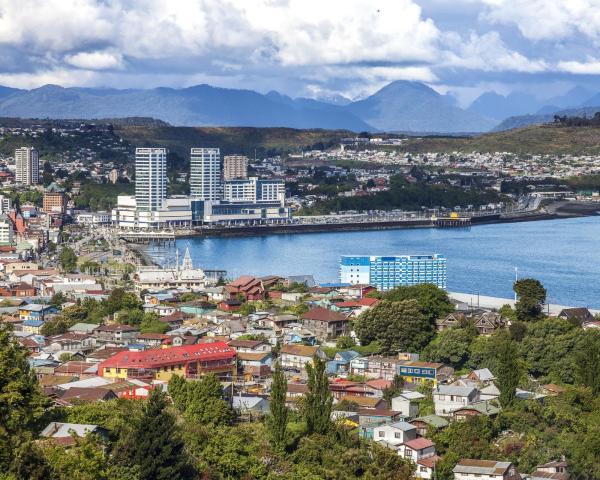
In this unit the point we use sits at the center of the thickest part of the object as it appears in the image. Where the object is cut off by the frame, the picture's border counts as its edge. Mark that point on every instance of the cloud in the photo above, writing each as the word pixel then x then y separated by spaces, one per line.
pixel 98 60
pixel 547 19
pixel 590 67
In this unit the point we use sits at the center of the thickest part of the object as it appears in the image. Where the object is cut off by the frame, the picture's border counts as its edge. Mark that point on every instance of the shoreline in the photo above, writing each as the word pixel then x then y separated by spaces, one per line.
pixel 554 211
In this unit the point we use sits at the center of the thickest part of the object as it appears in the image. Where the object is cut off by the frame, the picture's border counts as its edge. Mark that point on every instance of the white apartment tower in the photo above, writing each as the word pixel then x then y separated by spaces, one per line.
pixel 235 166
pixel 205 174
pixel 150 178
pixel 28 165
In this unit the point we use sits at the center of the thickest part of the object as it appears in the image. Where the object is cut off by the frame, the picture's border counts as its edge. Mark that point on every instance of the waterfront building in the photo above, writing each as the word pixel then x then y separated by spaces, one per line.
pixel 235 166
pixel 386 273
pixel 254 190
pixel 27 166
pixel 150 178
pixel 205 174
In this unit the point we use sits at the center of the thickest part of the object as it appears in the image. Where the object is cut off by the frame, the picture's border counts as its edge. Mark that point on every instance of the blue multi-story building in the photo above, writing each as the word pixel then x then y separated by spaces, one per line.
pixel 385 273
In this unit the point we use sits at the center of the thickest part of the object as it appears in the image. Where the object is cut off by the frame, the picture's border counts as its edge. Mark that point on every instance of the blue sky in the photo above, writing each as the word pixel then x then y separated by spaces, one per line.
pixel 314 48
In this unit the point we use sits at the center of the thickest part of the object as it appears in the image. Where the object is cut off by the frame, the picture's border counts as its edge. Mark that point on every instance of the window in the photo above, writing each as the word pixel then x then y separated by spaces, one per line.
pixel 381 434
pixel 397 435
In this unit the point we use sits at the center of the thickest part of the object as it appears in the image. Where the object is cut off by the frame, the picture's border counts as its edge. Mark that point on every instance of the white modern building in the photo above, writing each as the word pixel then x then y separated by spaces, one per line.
pixel 448 398
pixel 254 190
pixel 5 204
pixel 175 211
pixel 386 273
pixel 235 166
pixel 205 174
pixel 150 178
pixel 27 164
pixel 93 218
pixel 6 230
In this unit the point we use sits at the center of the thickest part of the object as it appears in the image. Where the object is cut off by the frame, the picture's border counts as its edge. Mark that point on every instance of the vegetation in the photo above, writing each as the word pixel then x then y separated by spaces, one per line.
pixel 318 400
pixel 67 259
pixel 278 417
pixel 531 296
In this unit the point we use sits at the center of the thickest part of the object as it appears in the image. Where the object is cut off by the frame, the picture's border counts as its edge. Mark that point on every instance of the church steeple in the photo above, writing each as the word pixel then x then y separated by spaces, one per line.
pixel 187 260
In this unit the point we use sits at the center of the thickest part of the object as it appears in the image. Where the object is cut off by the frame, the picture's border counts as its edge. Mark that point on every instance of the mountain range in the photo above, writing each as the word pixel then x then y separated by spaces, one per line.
pixel 401 106
pixel 398 107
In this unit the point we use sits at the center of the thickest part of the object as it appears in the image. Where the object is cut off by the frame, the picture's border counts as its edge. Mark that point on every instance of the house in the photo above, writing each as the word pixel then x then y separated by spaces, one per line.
pixel 246 286
pixel 71 342
pixel 295 357
pixel 486 323
pixel 326 324
pixel 248 406
pixel 407 403
pixel 83 328
pixel 340 365
pixel 189 361
pixel 36 311
pixel 448 398
pixel 423 424
pixel 176 319
pixel 394 434
pixel 231 305
pixel 152 340
pixel 32 326
pixel 556 470
pixel 484 407
pixel 421 372
pixel 376 366
pixel 369 419
pixel 82 394
pixel 365 402
pixel 115 333
pixel 250 346
pixel 255 364
pixel 469 469
pixel 482 376
pixel 426 467
pixel 579 315
pixel 64 433
pixel 417 449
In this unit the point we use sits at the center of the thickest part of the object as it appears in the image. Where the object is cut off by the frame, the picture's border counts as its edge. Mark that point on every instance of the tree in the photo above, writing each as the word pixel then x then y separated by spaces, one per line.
pixel 153 442
pixel 151 324
pixel 531 296
pixel 396 326
pixel 22 404
pixel 318 399
pixel 278 417
pixel 84 461
pixel 451 346
pixel 67 259
pixel 587 362
pixel 247 308
pixel 433 301
pixel 345 342
pixel 508 371
pixel 394 389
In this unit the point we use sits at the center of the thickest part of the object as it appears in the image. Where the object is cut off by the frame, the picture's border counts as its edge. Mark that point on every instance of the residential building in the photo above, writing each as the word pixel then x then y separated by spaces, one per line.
pixel 6 230
pixel 36 311
pixel 254 190
pixel 27 166
pixel 295 357
pixel 486 323
pixel 326 324
pixel 386 273
pixel 579 315
pixel 189 361
pixel 235 166
pixel 55 200
pixel 255 364
pixel 471 469
pixel 448 398
pixel 555 470
pixel 205 174
pixel 150 178
pixel 5 204
pixel 407 403
pixel 115 334
pixel 369 419
pixel 376 366
pixel 421 372
pixel 395 434
pixel 246 286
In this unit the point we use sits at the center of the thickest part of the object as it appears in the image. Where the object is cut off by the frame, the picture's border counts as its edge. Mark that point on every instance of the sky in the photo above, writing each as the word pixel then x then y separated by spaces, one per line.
pixel 312 48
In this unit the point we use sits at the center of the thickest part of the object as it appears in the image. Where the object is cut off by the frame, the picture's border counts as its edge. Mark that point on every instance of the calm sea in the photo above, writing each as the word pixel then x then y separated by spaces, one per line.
pixel 563 254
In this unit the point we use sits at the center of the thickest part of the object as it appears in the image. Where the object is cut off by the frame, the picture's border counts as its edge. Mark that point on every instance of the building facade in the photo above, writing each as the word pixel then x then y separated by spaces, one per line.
pixel 205 174
pixel 27 166
pixel 150 178
pixel 235 166
pixel 386 273
pixel 55 200
pixel 254 190
pixel 6 230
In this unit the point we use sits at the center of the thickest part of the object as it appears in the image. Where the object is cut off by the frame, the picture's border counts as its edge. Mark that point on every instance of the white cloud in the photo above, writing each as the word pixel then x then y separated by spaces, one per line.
pixel 98 60
pixel 590 67
pixel 547 19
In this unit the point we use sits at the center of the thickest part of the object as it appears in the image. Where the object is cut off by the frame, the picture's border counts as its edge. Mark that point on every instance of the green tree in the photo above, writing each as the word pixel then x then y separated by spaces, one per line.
pixel 84 461
pixel 508 370
pixel 345 342
pixel 531 296
pixel 587 362
pixel 451 346
pixel 318 399
pixel 396 326
pixel 22 404
pixel 433 301
pixel 394 389
pixel 153 442
pixel 151 324
pixel 247 308
pixel 278 416
pixel 67 259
